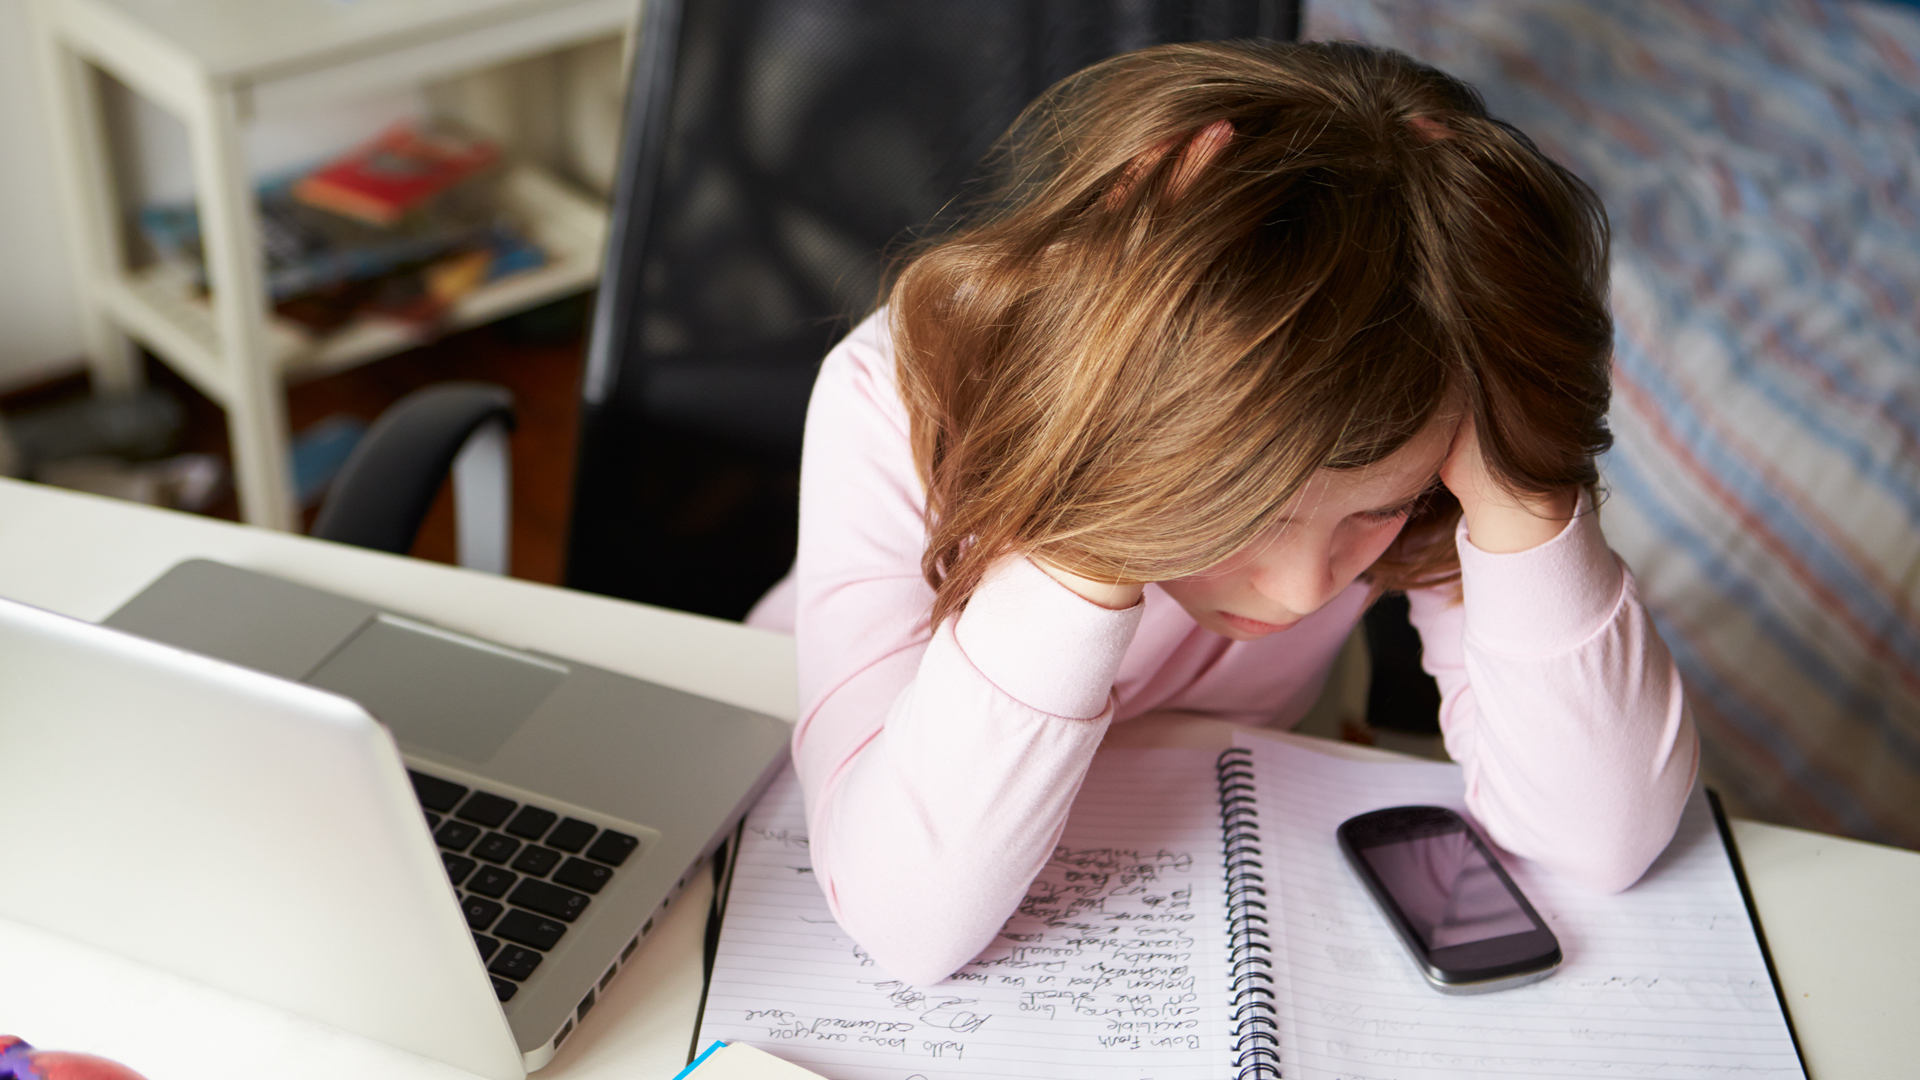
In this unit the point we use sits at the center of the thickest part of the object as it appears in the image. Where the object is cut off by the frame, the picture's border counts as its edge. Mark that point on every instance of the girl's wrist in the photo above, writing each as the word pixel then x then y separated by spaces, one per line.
pixel 1508 526
pixel 1112 595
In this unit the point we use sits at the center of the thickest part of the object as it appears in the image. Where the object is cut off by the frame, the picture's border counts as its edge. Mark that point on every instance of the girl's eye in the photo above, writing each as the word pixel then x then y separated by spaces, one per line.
pixel 1400 511
pixel 1389 513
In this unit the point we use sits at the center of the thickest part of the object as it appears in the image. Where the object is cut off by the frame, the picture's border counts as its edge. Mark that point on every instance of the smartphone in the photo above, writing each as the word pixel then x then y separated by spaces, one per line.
pixel 1458 913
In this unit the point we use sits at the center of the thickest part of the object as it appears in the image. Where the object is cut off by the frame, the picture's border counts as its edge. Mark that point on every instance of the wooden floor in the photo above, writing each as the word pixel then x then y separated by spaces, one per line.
pixel 537 356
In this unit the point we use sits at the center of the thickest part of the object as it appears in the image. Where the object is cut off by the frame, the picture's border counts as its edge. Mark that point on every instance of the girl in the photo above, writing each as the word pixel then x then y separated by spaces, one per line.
pixel 1257 332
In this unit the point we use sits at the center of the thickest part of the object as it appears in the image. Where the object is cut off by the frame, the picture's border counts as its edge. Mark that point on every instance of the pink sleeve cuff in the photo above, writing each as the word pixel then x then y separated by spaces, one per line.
pixel 1042 643
pixel 1546 599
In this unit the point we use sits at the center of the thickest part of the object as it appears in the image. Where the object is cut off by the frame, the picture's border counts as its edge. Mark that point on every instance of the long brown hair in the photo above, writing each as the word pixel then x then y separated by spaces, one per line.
pixel 1126 363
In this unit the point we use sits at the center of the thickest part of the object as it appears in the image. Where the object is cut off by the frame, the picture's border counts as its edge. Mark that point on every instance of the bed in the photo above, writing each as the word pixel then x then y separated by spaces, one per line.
pixel 1760 164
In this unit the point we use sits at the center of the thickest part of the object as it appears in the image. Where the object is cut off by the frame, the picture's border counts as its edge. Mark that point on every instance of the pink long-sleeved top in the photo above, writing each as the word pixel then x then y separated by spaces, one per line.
pixel 939 766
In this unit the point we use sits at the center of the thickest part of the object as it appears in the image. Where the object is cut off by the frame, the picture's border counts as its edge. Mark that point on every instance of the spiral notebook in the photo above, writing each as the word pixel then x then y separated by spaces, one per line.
pixel 1197 921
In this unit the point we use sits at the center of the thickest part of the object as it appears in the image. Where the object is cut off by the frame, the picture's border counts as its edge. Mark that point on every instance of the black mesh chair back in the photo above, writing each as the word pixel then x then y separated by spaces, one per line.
pixel 774 150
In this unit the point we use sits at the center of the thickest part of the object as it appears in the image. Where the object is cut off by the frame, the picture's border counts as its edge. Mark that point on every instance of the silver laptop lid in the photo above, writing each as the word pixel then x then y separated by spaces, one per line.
pixel 255 834
pixel 672 770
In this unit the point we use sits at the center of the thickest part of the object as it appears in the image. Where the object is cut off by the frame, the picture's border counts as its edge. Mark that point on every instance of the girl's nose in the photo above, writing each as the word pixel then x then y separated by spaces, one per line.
pixel 1298 574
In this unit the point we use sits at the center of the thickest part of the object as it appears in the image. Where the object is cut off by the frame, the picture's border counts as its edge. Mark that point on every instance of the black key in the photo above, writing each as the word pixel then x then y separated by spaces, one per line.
pixel 496 848
pixel 531 823
pixel 570 835
pixel 515 962
pixel 487 946
pixel 433 821
pixel 549 899
pixel 529 929
pixel 537 860
pixel 435 793
pixel 503 989
pixel 492 881
pixel 612 848
pixel 583 875
pixel 458 866
pixel 480 911
pixel 456 835
pixel 485 809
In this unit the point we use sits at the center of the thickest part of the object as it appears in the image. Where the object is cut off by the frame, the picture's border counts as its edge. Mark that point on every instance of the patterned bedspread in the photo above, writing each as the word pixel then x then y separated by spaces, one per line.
pixel 1760 162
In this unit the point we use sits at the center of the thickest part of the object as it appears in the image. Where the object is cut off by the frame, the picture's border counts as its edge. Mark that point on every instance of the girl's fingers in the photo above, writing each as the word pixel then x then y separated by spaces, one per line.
pixel 1465 470
pixel 1499 520
pixel 1199 153
pixel 1195 156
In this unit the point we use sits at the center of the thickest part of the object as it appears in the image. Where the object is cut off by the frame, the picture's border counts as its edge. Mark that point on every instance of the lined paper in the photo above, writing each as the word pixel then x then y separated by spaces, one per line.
pixel 1113 969
pixel 1663 980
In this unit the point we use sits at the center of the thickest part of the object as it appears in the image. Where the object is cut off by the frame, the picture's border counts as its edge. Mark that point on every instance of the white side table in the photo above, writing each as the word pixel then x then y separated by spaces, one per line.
pixel 216 64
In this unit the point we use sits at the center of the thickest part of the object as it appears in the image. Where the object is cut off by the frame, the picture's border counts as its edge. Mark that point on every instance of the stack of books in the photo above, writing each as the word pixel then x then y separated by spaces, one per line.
pixel 404 226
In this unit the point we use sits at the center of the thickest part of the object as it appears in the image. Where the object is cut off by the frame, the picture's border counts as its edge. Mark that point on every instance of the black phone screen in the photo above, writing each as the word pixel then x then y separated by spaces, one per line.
pixel 1447 890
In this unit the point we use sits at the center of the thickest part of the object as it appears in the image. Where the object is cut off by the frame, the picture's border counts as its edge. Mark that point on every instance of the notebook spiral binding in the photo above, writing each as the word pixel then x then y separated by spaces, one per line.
pixel 1256 1043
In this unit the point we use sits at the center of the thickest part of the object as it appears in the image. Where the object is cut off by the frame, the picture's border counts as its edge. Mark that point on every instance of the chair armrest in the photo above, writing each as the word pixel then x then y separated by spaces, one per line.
pixel 386 487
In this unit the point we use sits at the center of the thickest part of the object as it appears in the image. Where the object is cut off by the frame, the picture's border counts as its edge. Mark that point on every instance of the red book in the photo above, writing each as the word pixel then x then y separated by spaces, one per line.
pixel 381 182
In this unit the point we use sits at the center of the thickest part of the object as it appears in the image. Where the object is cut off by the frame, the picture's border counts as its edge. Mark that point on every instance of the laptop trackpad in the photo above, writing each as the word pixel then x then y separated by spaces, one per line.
pixel 438 689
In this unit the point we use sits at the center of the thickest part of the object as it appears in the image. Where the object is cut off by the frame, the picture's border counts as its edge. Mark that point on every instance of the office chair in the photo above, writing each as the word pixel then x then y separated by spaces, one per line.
pixel 775 152
pixel 388 483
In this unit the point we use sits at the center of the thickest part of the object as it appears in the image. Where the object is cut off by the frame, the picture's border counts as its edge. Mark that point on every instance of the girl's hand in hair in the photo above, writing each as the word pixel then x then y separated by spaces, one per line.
pixel 1498 521
pixel 1112 595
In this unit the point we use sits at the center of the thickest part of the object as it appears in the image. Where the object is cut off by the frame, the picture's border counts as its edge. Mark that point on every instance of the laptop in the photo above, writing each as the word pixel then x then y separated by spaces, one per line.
pixel 201 783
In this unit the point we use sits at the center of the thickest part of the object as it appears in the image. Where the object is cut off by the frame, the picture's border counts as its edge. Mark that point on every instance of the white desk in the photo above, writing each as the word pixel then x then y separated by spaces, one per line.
pixel 1843 918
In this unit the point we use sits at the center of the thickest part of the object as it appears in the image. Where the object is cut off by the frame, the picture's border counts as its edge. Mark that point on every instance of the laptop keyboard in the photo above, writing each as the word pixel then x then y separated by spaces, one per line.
pixel 523 873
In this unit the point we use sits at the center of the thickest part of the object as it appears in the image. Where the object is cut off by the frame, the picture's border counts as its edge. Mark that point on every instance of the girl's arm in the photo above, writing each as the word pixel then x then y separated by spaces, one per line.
pixel 938 768
pixel 1562 703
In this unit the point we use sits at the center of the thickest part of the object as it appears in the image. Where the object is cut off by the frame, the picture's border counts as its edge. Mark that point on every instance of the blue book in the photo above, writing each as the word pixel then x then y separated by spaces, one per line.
pixel 738 1061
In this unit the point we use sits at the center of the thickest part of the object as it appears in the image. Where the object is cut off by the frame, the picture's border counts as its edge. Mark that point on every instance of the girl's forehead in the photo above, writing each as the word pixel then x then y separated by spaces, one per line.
pixel 1401 475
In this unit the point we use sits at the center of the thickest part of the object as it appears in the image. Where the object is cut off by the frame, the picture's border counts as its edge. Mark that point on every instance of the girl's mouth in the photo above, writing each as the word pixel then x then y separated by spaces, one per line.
pixel 1254 626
